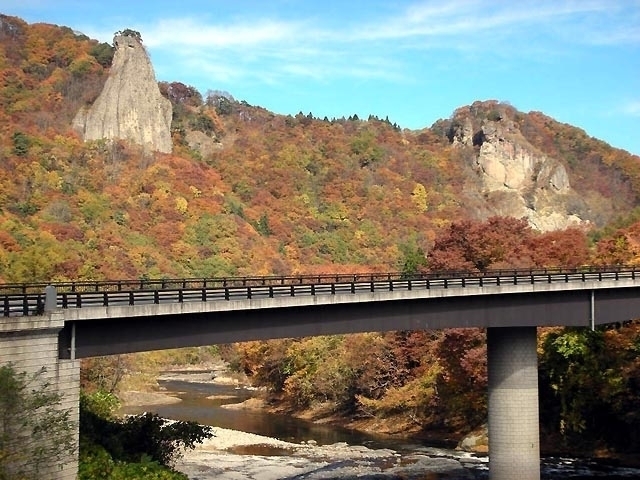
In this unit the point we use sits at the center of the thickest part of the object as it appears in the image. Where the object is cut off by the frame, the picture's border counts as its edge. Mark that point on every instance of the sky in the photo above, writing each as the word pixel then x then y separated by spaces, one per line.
pixel 411 60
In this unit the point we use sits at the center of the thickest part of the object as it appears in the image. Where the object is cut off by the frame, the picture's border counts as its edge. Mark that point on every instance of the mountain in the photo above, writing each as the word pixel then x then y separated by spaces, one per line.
pixel 247 192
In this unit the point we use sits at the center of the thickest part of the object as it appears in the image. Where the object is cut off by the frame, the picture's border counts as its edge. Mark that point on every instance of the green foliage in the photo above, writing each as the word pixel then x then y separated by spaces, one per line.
pixel 234 206
pixel 588 385
pixel 21 144
pixel 103 53
pixel 366 149
pixel 223 106
pixel 413 259
pixel 127 32
pixel 142 435
pixel 101 403
pixel 262 225
pixel 203 123
pixel 35 433
pixel 97 464
pixel 494 116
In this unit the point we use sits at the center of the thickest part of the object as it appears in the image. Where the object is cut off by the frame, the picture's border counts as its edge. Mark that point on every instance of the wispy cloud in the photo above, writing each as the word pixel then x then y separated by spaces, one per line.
pixel 315 48
pixel 194 33
pixel 632 109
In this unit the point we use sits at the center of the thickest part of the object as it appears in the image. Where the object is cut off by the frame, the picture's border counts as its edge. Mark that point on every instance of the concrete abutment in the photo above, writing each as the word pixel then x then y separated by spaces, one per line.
pixel 30 345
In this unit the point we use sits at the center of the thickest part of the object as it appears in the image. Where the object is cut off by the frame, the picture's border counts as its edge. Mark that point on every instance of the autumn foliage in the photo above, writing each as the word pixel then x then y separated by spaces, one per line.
pixel 249 192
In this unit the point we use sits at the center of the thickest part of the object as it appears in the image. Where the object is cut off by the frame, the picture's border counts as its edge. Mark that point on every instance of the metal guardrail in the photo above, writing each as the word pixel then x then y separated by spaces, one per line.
pixel 30 299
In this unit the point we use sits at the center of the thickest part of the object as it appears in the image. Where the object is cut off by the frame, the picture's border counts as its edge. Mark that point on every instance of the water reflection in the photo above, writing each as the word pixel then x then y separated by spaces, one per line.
pixel 201 402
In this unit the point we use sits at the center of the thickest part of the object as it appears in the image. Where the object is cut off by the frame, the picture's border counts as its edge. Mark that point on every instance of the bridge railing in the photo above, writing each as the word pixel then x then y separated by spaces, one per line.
pixel 29 298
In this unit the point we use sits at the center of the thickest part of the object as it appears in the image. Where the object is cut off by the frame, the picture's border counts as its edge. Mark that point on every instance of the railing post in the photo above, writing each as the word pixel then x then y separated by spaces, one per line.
pixel 313 289
pixel 50 298
pixel 131 298
pixel 249 292
pixel 6 305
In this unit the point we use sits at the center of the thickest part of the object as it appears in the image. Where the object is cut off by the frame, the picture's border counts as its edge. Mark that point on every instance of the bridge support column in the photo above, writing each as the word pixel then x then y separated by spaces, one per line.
pixel 29 344
pixel 514 440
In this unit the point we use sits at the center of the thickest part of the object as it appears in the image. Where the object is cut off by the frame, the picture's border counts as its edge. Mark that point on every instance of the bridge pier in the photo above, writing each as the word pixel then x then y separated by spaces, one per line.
pixel 31 344
pixel 514 439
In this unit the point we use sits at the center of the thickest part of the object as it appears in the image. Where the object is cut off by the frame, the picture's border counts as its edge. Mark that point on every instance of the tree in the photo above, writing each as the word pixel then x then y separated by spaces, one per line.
pixel 127 32
pixel 413 259
pixel 21 144
pixel 472 245
pixel 103 53
pixel 136 437
pixel 35 433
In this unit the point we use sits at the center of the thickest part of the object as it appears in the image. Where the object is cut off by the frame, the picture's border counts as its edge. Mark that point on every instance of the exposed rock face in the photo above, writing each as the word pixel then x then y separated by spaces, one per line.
pixel 516 179
pixel 130 106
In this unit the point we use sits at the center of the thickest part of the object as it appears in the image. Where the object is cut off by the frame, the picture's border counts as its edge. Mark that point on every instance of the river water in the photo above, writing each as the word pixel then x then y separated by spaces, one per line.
pixel 197 406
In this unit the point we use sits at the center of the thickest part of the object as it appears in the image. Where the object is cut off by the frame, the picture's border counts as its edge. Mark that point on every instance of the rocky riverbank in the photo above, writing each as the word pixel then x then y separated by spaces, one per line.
pixel 233 455
pixel 236 455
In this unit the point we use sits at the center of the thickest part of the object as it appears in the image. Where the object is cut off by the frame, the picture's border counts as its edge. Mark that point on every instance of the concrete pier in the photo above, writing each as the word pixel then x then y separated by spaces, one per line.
pixel 31 343
pixel 514 439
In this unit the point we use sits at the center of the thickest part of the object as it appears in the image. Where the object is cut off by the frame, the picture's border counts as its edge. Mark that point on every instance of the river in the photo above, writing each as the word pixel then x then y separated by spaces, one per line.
pixel 202 402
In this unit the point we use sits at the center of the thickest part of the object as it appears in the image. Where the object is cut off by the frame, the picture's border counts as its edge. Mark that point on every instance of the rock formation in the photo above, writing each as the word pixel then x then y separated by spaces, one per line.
pixel 130 106
pixel 515 178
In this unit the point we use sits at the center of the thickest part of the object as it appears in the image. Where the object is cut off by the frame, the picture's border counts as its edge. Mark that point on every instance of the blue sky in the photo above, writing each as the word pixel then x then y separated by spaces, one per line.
pixel 414 61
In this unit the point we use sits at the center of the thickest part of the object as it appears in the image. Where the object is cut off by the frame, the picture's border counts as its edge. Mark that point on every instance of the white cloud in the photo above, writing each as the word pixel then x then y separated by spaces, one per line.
pixel 632 109
pixel 193 33
pixel 317 48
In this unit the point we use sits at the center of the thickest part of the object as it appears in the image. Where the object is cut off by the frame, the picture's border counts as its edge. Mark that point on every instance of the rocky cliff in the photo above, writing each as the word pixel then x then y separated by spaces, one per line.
pixel 515 178
pixel 130 106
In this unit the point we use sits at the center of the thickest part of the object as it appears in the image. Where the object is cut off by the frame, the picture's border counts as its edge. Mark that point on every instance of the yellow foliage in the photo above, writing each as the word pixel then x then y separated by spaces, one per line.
pixel 413 396
pixel 419 197
pixel 195 191
pixel 182 205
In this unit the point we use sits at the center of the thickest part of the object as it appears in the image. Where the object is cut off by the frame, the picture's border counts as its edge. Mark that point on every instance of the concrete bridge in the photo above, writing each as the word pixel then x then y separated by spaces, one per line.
pixel 55 325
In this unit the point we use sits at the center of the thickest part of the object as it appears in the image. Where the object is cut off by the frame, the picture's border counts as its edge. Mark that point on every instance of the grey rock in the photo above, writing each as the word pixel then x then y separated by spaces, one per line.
pixel 130 106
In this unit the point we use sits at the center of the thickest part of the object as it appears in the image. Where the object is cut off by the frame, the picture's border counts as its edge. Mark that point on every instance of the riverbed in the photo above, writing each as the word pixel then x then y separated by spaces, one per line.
pixel 252 444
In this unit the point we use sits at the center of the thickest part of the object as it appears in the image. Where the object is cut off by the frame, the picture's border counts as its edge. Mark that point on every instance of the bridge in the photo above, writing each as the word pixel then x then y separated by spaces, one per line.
pixel 56 324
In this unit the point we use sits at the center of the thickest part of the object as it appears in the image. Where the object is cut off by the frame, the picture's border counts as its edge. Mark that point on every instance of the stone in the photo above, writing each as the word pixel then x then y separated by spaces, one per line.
pixel 130 106
pixel 476 441
pixel 516 179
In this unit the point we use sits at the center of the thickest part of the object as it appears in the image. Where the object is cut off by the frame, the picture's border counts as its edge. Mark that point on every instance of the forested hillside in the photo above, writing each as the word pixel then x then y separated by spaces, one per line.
pixel 255 193
pixel 248 192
